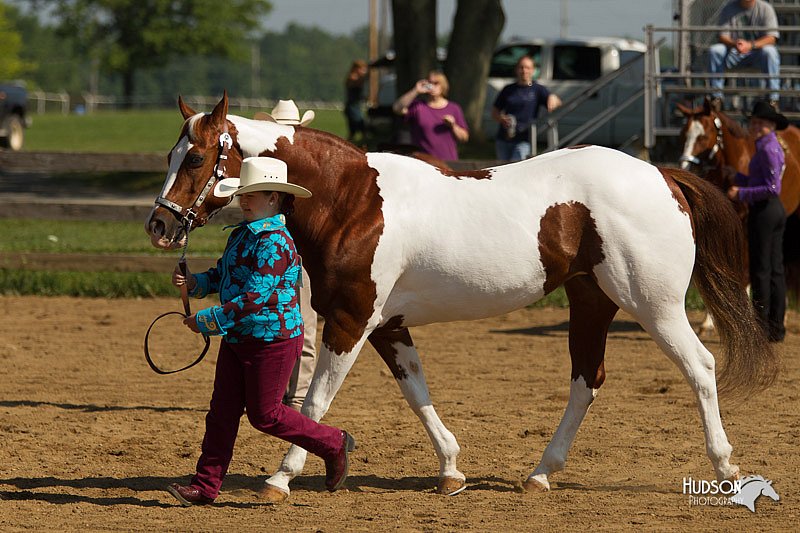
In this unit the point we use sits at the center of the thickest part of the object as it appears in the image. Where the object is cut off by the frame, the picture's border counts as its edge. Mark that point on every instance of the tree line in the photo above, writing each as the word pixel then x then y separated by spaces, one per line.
pixel 147 51
pixel 54 54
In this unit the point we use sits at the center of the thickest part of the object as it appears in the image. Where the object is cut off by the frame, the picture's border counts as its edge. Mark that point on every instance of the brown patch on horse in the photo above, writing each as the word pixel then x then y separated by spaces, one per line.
pixel 578 146
pixel 385 338
pixel 568 243
pixel 590 314
pixel 344 187
pixel 677 194
pixel 482 174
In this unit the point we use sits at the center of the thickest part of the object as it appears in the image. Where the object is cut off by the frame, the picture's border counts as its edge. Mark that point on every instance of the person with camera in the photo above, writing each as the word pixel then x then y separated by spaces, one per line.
pixel 436 123
pixel 516 108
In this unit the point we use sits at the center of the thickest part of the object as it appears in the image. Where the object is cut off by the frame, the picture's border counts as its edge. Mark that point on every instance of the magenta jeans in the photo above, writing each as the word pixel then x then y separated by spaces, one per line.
pixel 254 375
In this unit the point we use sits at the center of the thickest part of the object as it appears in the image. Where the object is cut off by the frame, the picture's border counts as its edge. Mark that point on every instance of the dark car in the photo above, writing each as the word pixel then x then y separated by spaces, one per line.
pixel 13 115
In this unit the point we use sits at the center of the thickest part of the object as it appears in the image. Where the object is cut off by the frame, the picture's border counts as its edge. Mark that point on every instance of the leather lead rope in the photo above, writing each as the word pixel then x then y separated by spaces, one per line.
pixel 187 311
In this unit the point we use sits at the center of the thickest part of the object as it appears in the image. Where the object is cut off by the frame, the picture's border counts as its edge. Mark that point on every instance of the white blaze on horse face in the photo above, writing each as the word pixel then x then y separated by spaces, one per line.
pixel 177 155
pixel 693 132
pixel 258 136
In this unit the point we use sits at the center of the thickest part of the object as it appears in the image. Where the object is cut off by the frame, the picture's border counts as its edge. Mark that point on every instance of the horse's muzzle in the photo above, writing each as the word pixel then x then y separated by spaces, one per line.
pixel 164 231
pixel 687 160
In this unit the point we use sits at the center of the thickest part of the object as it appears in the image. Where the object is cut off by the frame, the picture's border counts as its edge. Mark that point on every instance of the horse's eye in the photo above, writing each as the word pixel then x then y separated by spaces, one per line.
pixel 195 160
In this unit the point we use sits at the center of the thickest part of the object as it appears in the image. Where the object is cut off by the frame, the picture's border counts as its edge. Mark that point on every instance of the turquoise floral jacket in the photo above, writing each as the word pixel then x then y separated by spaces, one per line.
pixel 256 279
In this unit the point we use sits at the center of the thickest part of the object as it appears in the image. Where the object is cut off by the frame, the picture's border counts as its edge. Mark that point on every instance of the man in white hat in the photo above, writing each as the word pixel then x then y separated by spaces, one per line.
pixel 286 112
pixel 262 334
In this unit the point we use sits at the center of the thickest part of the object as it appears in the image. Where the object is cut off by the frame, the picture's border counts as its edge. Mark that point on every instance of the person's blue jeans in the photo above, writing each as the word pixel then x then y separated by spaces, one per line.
pixel 512 150
pixel 720 58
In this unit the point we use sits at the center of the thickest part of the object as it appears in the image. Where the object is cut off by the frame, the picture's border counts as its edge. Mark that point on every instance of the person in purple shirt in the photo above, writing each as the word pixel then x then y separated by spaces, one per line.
pixel 262 334
pixel 760 189
pixel 435 122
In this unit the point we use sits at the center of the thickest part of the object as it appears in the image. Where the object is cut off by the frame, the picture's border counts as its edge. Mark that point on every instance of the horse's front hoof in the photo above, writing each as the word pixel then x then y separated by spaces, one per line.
pixel 734 475
pixel 450 486
pixel 272 494
pixel 537 483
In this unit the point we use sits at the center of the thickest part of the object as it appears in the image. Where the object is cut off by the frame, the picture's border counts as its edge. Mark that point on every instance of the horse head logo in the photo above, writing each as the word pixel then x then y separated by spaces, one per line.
pixel 751 488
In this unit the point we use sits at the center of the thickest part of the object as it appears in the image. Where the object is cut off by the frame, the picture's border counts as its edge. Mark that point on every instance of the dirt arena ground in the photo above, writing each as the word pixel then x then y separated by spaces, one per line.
pixel 90 436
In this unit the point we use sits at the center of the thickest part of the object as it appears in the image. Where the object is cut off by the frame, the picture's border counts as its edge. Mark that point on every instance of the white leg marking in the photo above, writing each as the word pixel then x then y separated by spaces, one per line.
pixel 707 326
pixel 328 377
pixel 675 337
pixel 554 457
pixel 415 391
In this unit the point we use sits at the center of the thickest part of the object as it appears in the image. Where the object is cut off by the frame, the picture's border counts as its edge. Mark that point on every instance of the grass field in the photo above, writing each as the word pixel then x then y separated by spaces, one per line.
pixel 79 236
pixel 130 131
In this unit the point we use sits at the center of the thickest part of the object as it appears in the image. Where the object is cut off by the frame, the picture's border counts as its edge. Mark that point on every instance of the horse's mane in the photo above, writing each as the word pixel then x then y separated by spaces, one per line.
pixel 329 139
pixel 733 126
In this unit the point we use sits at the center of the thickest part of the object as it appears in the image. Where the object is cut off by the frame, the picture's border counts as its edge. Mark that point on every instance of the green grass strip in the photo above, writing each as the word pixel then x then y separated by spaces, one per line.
pixel 85 284
pixel 154 131
pixel 148 285
pixel 79 236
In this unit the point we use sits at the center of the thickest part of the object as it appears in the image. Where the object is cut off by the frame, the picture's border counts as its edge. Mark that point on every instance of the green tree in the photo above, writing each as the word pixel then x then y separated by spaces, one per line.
pixel 11 64
pixel 127 36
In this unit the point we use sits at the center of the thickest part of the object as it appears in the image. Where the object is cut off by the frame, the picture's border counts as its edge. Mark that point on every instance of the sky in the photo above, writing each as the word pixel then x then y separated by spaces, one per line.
pixel 524 18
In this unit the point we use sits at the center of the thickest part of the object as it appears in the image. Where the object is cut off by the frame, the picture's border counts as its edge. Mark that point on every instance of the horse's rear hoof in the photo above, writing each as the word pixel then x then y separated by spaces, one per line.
pixel 450 486
pixel 536 484
pixel 272 494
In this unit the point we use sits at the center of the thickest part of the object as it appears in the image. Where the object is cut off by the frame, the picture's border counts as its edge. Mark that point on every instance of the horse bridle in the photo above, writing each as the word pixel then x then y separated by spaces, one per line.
pixel 718 146
pixel 188 215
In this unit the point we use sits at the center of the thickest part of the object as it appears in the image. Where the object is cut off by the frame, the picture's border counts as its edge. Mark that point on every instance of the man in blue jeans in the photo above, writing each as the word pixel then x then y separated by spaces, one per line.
pixel 742 45
pixel 516 108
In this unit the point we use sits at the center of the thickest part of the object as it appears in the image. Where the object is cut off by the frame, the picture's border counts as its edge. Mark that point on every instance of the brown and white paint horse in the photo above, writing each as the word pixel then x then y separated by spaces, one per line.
pixel 391 242
pixel 712 140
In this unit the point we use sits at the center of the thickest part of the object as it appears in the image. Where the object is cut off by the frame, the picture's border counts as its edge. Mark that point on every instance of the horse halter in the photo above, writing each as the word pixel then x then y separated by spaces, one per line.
pixel 718 145
pixel 188 215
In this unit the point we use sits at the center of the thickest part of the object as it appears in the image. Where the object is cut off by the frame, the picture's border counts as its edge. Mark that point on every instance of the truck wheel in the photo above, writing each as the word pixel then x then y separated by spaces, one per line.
pixel 15 134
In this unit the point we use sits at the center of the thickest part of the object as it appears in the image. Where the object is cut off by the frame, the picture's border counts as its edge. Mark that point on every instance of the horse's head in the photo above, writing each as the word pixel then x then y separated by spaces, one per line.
pixel 701 136
pixel 206 152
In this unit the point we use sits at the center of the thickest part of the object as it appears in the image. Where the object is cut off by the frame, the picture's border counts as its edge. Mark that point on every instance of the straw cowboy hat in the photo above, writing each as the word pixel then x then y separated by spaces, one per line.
pixel 260 174
pixel 763 110
pixel 286 112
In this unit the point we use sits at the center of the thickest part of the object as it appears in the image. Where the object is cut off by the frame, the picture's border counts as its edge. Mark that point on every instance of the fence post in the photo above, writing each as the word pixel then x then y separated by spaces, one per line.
pixel 649 93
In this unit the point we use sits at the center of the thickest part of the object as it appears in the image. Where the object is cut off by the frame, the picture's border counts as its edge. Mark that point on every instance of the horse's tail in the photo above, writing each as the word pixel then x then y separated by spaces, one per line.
pixel 750 364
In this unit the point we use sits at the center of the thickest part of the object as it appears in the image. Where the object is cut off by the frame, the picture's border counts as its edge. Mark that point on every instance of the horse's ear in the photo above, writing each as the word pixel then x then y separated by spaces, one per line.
pixel 686 110
pixel 186 111
pixel 220 110
pixel 708 107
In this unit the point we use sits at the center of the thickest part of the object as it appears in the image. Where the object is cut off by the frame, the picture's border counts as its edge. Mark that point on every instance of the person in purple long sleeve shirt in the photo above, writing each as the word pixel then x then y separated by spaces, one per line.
pixel 760 189
pixel 436 123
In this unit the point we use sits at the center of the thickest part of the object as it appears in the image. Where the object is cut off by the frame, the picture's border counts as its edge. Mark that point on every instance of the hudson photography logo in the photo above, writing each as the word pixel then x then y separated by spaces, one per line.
pixel 743 491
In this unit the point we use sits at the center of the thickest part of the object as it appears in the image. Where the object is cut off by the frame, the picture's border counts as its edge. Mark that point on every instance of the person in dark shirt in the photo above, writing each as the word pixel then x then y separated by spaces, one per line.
pixel 516 108
pixel 354 94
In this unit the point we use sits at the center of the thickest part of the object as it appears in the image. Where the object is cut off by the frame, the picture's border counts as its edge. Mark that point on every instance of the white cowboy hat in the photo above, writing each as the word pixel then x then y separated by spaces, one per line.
pixel 260 174
pixel 286 112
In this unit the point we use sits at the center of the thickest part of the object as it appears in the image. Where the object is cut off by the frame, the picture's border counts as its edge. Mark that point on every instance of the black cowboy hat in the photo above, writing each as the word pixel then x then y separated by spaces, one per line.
pixel 763 110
